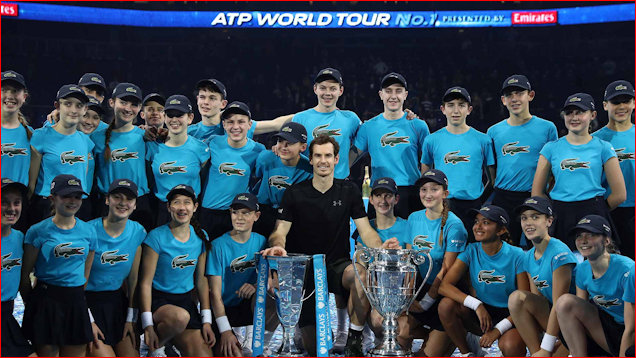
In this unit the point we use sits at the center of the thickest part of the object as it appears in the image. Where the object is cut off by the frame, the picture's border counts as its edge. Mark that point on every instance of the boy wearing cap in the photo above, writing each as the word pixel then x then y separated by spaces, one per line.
pixel 577 161
pixel 394 143
pixel 279 172
pixel 232 274
pixel 619 131
pixel 16 132
pixel 13 196
pixel 517 141
pixel 60 149
pixel 92 84
pixel 326 118
pixel 232 164
pixel 462 153
pixel 152 112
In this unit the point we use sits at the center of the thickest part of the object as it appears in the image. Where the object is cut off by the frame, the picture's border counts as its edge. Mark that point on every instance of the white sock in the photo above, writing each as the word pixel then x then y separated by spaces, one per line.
pixel 342 319
pixel 355 327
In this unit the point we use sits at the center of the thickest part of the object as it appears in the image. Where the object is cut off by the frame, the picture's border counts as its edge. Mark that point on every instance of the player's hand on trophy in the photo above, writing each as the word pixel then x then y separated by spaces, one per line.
pixel 246 291
pixel 230 346
pixel 391 243
pixel 274 251
pixel 487 339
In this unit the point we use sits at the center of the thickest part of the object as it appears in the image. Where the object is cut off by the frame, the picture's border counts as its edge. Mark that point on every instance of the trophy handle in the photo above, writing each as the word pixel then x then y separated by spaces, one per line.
pixel 417 259
pixel 365 256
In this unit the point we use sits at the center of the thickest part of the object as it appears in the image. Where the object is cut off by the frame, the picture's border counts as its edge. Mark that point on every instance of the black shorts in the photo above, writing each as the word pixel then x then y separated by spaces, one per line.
pixel 496 313
pixel 509 200
pixel 13 342
pixel 613 332
pixel 183 300
pixel 109 310
pixel 238 316
pixel 429 317
pixel 57 316
pixel 335 271
pixel 215 222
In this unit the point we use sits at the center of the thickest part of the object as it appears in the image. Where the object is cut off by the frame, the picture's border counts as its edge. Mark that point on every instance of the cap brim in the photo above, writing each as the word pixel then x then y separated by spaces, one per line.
pixel 507 87
pixel 423 180
pixel 454 95
pixel 587 228
pixel 96 108
pixel 488 215
pixel 128 95
pixel 288 137
pixel 233 110
pixel 212 84
pixel 384 187
pixel 392 80
pixel 577 105
pixel 612 96
pixel 242 205
pixel 179 109
pixel 80 96
pixel 157 98
pixel 16 185
pixel 322 78
pixel 5 80
pixel 185 192
pixel 124 190
pixel 68 191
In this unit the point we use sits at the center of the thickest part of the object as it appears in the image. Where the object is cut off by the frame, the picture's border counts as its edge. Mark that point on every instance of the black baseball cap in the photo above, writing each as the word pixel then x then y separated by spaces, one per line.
pixel 183 190
pixel 293 133
pixel 236 107
pixel 126 89
pixel 618 88
pixel 123 185
pixel 12 76
pixel 179 103
pixel 516 81
pixel 538 203
pixel 66 184
pixel 384 183
pixel 215 84
pixel 95 105
pixel 328 74
pixel 434 175
pixel 456 92
pixel 72 91
pixel 154 97
pixel 595 224
pixel 92 79
pixel 392 78
pixel 493 213
pixel 8 183
pixel 580 100
pixel 247 200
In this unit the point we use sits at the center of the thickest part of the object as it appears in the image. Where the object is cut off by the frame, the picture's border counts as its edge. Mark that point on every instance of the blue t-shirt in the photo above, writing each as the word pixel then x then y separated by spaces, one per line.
pixel 517 150
pixel 204 133
pixel 101 126
pixel 63 253
pixel 623 143
pixel 424 235
pixel 16 154
pixel 628 295
pixel 493 277
pixel 277 177
pixel 462 158
pixel 607 291
pixel 577 169
pixel 128 159
pixel 394 146
pixel 556 254
pixel 399 230
pixel 172 166
pixel 234 262
pixel 61 154
pixel 230 171
pixel 340 124
pixel 115 255
pixel 177 260
pixel 11 264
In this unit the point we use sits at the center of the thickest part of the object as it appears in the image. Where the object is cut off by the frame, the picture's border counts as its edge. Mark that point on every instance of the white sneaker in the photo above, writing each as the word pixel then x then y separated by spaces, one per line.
pixel 340 342
pixel 473 345
pixel 159 352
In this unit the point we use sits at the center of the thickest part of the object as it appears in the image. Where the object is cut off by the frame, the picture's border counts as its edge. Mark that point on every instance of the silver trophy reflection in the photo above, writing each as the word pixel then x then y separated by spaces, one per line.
pixel 390 286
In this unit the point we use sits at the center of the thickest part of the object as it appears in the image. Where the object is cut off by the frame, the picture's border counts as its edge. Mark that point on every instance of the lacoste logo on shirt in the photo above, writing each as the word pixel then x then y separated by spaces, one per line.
pixel 9 150
pixel 68 157
pixel 391 141
pixel 454 158
pixel 487 277
pixel 180 262
pixel 601 301
pixel 278 181
pixel 571 164
pixel 421 243
pixel 320 130
pixel 63 250
pixel 228 169
pixel 620 153
pixel 169 168
pixel 540 283
pixel 121 155
pixel 111 257
pixel 512 148
pixel 8 264
pixel 240 265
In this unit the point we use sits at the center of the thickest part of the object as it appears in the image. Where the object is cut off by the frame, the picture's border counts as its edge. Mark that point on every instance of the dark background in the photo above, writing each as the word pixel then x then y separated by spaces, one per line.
pixel 272 69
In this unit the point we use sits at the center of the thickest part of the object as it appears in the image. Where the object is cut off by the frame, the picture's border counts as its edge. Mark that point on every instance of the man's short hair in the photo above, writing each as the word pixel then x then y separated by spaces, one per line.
pixel 323 139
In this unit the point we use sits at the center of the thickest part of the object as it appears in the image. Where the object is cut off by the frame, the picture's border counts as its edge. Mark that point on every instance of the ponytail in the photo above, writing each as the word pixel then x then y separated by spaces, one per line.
pixel 200 232
pixel 107 135
pixel 612 248
pixel 445 210
pixel 506 235
pixel 25 123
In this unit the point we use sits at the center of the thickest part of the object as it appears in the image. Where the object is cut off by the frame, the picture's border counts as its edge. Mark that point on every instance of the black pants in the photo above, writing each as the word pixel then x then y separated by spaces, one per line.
pixel 623 218
pixel 215 222
pixel 462 208
pixel 509 200
pixel 409 203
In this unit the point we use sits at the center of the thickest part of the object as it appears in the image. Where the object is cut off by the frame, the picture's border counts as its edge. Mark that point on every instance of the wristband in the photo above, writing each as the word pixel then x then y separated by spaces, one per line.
pixel 90 316
pixel 427 302
pixel 471 302
pixel 131 314
pixel 146 319
pixel 206 316
pixel 503 325
pixel 223 324
pixel 547 343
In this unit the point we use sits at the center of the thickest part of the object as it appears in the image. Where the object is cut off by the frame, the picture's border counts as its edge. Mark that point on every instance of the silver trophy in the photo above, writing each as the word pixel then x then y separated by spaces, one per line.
pixel 390 286
pixel 288 275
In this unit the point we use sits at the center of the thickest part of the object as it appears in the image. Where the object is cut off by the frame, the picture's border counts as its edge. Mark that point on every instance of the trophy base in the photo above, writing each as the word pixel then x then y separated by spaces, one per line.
pixel 385 351
pixel 289 354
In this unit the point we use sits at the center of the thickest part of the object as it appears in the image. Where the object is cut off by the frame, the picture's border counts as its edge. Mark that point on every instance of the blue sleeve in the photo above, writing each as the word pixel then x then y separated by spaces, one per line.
pixel 546 151
pixel 214 264
pixel 456 237
pixel 361 141
pixel 192 129
pixel 427 157
pixel 89 143
pixel 489 154
pixel 552 133
pixel 250 132
pixel 563 258
pixel 94 244
pixel 140 234
pixel 628 293
pixel 355 125
pixel 31 238
pixel 423 131
pixel 519 262
pixel 464 256
pixel 260 160
pixel 607 151
pixel 151 148
pixel 37 141
pixel 580 282
pixel 152 241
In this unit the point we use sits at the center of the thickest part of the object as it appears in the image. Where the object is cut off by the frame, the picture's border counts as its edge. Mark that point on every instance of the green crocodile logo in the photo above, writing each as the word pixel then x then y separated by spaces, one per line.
pixel 121 155
pixel 391 141
pixel 513 148
pixel 69 157
pixel 111 257
pixel 571 164
pixel 278 182
pixel 421 243
pixel 63 250
pixel 8 264
pixel 620 153
pixel 240 265
pixel 9 150
pixel 181 262
pixel 540 283
pixel 227 169
pixel 320 130
pixel 487 277
pixel 454 158
pixel 601 301
pixel 169 168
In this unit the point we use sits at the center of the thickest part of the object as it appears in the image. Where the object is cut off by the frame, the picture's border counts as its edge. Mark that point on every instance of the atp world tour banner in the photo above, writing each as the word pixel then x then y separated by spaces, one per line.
pixel 318 20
